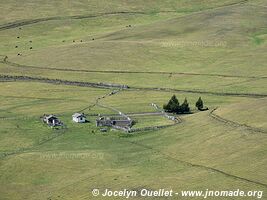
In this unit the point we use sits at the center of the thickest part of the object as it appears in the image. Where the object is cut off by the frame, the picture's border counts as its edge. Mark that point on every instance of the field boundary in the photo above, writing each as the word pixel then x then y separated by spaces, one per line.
pixel 22 22
pixel 186 163
pixel 253 95
pixel 233 123
pixel 39 143
pixel 13 64
pixel 130 129
pixel 9 78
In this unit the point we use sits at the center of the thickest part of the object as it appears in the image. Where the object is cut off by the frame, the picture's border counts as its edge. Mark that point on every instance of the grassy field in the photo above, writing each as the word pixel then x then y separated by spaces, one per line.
pixel 236 112
pixel 208 48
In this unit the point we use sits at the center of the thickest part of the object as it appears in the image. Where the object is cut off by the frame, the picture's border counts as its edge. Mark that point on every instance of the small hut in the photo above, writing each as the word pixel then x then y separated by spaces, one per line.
pixel 79 118
pixel 52 120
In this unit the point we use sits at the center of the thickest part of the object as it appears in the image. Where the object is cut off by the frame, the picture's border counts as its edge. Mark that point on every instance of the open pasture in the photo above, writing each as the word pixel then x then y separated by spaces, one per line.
pixel 213 49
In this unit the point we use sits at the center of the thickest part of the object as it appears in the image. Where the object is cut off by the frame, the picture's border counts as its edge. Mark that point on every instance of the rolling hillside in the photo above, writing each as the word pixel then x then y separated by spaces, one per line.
pixel 69 56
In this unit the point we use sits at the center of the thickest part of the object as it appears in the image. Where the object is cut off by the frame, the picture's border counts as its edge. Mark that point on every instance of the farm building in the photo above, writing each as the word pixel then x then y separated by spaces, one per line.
pixel 115 122
pixel 52 120
pixel 78 117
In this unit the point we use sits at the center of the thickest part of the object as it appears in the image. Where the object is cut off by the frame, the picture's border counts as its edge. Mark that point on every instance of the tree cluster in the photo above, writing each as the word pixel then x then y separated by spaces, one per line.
pixel 174 106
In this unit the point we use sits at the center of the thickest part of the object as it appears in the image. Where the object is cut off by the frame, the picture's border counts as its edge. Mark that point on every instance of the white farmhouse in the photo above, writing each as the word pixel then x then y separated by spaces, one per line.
pixel 79 117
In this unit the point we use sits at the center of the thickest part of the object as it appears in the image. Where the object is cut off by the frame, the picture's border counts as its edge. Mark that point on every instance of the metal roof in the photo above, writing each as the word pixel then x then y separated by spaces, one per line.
pixel 76 115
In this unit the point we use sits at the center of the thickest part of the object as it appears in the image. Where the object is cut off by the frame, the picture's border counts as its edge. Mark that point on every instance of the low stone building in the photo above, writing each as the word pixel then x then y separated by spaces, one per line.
pixel 52 120
pixel 115 122
pixel 79 118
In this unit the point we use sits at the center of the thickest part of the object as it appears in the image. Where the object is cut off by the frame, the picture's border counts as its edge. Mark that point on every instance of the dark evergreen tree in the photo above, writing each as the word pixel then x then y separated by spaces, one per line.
pixel 174 100
pixel 184 108
pixel 199 104
pixel 166 107
pixel 172 105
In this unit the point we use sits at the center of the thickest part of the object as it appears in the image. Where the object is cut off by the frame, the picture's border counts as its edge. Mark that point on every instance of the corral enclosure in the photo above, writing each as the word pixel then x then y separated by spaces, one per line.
pixel 101 57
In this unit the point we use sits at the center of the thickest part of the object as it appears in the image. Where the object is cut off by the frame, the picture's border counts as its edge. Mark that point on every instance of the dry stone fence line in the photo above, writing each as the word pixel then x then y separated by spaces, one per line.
pixel 20 23
pixel 5 61
pixel 114 85
pixel 251 95
pixel 113 92
pixel 150 128
pixel 234 124
pixel 130 129
pixel 4 78
pixel 171 156
pixel 56 134
pixel 176 119
pixel 16 118
pixel 113 109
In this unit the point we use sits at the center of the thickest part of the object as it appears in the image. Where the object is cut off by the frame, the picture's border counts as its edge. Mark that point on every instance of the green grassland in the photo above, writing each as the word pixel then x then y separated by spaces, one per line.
pixel 28 10
pixel 208 48
pixel 243 116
